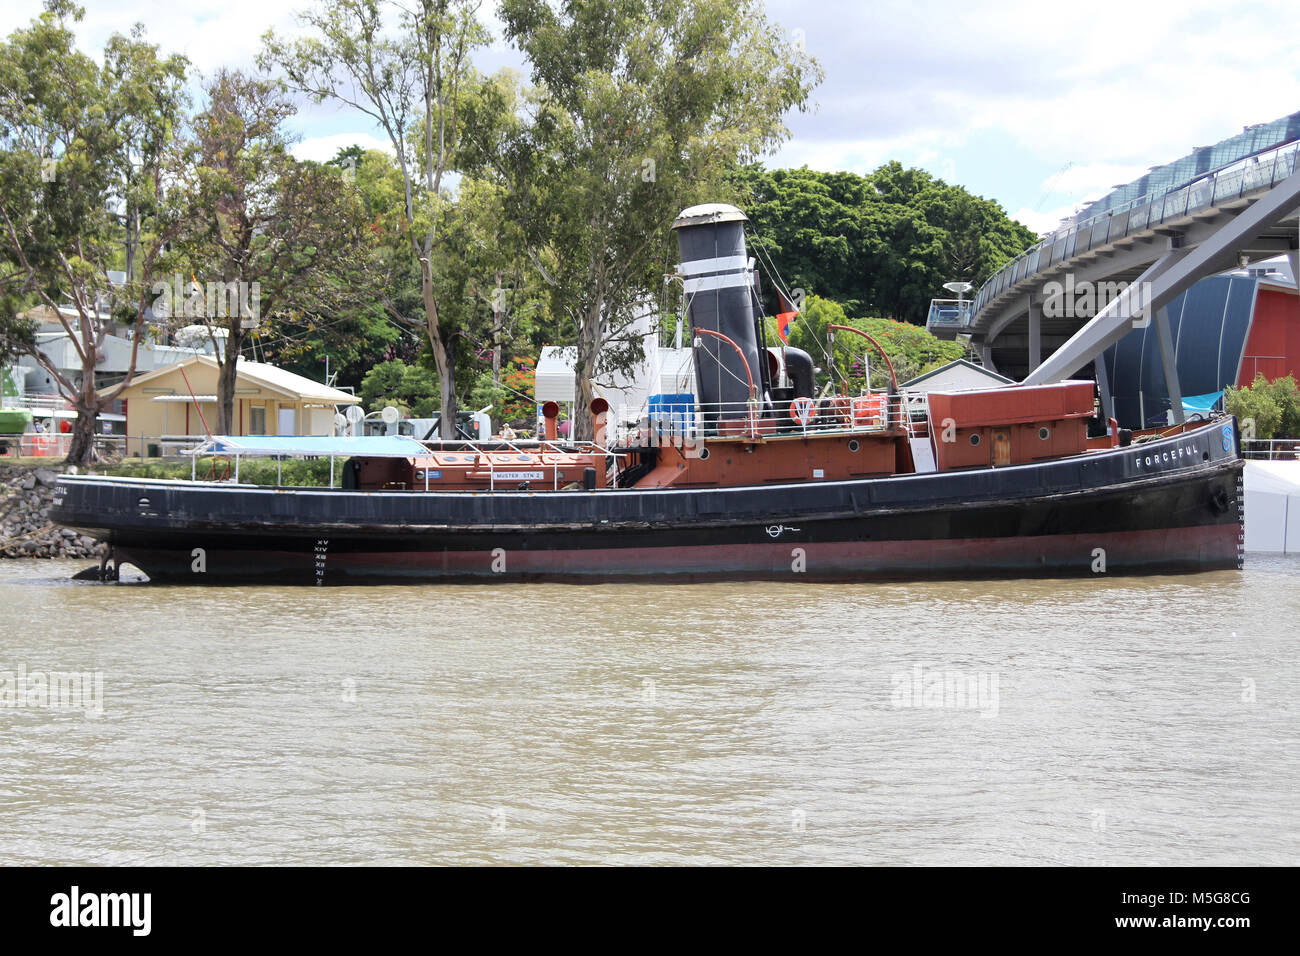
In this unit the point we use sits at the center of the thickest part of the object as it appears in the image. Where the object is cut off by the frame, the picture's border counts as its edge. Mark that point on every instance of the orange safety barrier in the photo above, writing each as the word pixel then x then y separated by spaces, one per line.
pixel 869 410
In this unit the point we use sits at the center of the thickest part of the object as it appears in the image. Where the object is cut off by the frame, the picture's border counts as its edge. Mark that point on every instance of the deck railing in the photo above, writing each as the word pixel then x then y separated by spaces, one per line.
pixel 876 412
pixel 1271 449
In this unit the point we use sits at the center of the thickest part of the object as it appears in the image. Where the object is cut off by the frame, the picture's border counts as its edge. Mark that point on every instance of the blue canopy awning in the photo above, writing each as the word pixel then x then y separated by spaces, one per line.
pixel 272 446
pixel 1201 403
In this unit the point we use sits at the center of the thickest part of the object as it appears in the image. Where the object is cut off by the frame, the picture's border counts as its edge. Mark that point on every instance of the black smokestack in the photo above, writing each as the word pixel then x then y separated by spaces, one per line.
pixel 715 275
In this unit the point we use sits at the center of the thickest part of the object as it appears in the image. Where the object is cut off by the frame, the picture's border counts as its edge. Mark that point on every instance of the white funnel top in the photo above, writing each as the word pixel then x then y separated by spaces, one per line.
pixel 709 212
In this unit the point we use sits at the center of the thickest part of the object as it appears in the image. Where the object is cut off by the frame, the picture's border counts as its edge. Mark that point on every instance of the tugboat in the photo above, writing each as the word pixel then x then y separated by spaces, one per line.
pixel 755 476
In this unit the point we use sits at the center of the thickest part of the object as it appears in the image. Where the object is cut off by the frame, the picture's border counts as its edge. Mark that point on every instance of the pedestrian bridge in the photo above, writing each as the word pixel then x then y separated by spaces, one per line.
pixel 1133 252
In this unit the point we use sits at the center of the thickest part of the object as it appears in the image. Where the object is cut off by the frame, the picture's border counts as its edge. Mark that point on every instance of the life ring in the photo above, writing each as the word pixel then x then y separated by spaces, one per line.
pixel 803 410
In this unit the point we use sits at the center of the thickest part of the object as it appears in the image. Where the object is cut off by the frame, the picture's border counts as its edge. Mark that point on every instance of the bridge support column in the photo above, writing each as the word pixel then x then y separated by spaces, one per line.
pixel 1103 387
pixel 986 357
pixel 1035 332
pixel 1169 360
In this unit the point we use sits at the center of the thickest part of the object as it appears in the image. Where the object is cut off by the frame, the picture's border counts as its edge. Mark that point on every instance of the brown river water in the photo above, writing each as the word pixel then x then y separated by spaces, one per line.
pixel 1099 721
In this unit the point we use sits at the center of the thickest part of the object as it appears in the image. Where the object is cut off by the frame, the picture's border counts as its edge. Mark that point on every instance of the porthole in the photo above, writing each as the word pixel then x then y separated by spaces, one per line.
pixel 853 445
pixel 704 454
pixel 1044 433
pixel 975 438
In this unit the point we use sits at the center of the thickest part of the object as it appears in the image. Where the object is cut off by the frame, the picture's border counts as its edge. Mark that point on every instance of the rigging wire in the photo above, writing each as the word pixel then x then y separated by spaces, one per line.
pixel 778 282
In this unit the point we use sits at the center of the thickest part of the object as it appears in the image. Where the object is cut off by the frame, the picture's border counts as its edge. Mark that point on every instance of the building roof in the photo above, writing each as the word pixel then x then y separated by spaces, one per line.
pixel 959 362
pixel 268 376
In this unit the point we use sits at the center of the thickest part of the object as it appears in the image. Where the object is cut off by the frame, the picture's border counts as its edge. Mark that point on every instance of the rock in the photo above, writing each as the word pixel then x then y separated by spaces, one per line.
pixel 25 530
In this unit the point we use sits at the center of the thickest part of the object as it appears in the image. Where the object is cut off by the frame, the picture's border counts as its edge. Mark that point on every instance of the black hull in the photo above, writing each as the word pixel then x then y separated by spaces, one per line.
pixel 1172 505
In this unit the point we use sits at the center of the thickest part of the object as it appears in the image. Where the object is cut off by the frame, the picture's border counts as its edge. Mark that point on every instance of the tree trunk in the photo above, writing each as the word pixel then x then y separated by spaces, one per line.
pixel 82 450
pixel 443 360
pixel 582 428
pixel 445 364
pixel 227 377
pixel 498 319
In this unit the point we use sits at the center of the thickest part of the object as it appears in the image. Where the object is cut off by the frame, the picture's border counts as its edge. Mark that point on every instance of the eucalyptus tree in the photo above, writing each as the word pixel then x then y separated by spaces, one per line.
pixel 407 67
pixel 269 240
pixel 637 109
pixel 90 180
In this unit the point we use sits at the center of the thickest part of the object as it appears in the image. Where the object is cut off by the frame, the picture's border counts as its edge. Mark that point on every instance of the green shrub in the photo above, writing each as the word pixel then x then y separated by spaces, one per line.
pixel 294 472
pixel 912 349
pixel 1266 409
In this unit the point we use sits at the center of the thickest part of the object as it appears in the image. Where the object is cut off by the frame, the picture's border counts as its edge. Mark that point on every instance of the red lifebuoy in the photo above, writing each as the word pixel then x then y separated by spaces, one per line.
pixel 803 410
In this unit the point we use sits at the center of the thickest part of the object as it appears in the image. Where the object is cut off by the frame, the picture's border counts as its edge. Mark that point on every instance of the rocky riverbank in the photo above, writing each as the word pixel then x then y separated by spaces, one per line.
pixel 25 527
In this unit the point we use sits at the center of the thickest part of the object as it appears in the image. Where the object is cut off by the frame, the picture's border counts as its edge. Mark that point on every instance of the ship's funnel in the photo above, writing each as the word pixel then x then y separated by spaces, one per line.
pixel 716 278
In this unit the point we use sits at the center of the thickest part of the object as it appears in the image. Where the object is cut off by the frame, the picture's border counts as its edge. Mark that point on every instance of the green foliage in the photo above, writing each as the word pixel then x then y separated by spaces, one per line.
pixel 521 380
pixel 552 230
pixel 296 472
pixel 409 70
pixel 412 388
pixel 881 244
pixel 299 230
pixel 912 350
pixel 1271 409
pixel 90 177
pixel 638 108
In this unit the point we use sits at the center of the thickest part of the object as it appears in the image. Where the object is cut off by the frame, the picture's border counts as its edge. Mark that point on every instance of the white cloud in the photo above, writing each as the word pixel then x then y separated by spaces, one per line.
pixel 211 33
pixel 987 94
pixel 323 148
pixel 1111 86
pixel 1044 222
pixel 1091 180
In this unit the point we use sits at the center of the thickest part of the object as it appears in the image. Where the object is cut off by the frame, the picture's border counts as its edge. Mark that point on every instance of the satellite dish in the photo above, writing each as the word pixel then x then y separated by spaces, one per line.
pixel 340 421
pixel 958 288
pixel 355 414
pixel 390 414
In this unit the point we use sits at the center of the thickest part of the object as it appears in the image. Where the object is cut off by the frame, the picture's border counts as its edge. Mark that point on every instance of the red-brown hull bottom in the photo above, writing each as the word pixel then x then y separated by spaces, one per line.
pixel 1128 552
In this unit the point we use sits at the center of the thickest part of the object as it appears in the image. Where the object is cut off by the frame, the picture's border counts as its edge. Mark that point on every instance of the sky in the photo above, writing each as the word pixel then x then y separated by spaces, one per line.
pixel 1040 106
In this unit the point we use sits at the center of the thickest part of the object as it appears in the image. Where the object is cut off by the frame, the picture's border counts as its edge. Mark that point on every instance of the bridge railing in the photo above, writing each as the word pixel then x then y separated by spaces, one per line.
pixel 950 313
pixel 1245 176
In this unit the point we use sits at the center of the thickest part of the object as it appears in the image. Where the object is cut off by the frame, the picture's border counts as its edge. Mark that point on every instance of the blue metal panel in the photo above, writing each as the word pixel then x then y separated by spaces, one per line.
pixel 1209 323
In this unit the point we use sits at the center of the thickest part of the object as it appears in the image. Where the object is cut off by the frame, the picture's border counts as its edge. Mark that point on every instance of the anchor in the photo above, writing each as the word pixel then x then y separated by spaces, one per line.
pixel 107 570
pixel 108 566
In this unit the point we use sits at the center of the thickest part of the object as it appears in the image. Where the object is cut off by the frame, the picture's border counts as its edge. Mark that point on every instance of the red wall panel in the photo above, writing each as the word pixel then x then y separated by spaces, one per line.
pixel 1273 347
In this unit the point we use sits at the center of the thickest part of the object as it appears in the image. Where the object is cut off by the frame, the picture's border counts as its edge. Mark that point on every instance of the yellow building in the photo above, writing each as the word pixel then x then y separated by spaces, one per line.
pixel 178 404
